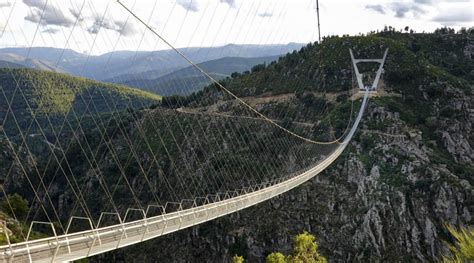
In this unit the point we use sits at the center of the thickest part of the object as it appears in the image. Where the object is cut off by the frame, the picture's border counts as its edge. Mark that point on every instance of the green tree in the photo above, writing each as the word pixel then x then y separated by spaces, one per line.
pixel 237 259
pixel 463 248
pixel 275 257
pixel 305 250
pixel 15 205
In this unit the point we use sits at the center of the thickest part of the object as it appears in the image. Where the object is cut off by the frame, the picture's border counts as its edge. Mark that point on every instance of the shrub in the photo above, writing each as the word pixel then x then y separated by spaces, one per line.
pixel 463 248
pixel 15 205
pixel 305 250
pixel 237 259
pixel 275 257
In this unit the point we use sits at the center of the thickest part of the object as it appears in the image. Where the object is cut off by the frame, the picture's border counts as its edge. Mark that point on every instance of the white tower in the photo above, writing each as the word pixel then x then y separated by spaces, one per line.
pixel 381 61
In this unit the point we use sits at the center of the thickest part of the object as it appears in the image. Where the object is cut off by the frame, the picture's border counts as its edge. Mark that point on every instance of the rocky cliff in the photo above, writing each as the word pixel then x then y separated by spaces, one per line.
pixel 385 199
pixel 408 172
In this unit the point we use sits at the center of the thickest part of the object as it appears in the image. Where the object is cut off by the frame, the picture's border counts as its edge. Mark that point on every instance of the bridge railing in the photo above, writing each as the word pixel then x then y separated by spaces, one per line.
pixel 172 216
pixel 91 242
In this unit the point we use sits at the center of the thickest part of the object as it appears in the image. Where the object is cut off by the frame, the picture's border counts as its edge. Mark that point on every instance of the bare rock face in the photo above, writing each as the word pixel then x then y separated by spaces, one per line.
pixel 383 200
pixel 406 174
pixel 457 135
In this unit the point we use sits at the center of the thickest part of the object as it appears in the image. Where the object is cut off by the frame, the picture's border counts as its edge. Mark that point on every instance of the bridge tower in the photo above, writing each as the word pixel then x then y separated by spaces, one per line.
pixel 371 88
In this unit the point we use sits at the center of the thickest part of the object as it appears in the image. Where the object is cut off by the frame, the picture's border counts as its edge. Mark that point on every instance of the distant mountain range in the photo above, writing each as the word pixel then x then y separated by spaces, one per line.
pixel 125 66
pixel 14 60
pixel 188 80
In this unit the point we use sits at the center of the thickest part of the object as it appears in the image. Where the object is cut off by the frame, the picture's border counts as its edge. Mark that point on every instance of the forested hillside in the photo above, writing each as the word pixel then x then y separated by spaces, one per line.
pixel 188 80
pixel 407 172
pixel 52 95
pixel 41 112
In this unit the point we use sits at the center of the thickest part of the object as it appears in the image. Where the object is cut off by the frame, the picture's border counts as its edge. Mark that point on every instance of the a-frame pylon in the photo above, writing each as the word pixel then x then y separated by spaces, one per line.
pixel 362 87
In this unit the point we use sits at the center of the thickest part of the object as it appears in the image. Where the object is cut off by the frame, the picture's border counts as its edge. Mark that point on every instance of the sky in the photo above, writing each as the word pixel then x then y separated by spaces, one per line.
pixel 100 26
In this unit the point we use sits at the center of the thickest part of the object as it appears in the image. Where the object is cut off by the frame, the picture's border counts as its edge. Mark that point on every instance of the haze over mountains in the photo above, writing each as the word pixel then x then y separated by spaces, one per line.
pixel 135 68
pixel 189 79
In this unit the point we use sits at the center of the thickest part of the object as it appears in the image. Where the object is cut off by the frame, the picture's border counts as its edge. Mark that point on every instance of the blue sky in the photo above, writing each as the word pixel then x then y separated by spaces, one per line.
pixel 92 26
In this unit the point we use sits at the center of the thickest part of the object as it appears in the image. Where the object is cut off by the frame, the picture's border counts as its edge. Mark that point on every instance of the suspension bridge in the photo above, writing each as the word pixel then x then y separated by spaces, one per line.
pixel 154 214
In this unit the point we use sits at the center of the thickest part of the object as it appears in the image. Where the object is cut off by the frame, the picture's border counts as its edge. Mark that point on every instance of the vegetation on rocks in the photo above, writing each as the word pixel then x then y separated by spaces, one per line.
pixel 15 205
pixel 304 251
pixel 407 172
pixel 237 259
pixel 463 248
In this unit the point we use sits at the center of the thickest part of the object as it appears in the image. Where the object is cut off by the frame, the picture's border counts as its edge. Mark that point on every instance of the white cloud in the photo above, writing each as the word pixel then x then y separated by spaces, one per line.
pixel 402 9
pixel 265 14
pixel 75 13
pixel 222 22
pixel 46 14
pixel 5 4
pixel 376 8
pixel 231 3
pixel 122 27
pixel 190 5
pixel 453 17
pixel 51 30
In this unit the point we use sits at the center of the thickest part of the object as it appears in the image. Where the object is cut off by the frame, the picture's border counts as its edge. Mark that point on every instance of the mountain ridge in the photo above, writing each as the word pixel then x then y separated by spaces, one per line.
pixel 407 172
pixel 113 64
pixel 188 80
